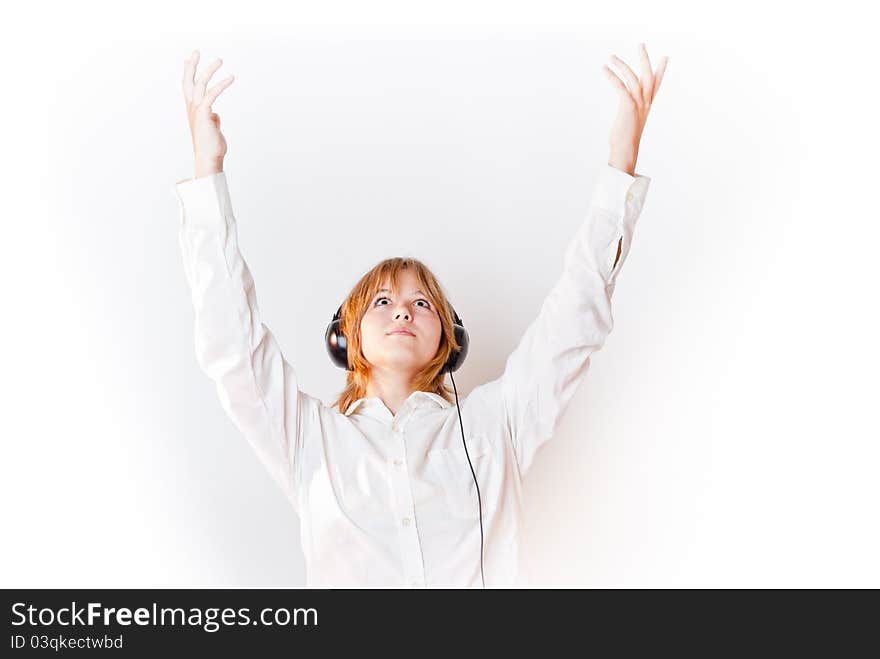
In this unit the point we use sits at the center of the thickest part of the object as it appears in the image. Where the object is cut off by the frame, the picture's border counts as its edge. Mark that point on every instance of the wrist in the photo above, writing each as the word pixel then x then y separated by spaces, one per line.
pixel 624 164
pixel 208 166
pixel 624 158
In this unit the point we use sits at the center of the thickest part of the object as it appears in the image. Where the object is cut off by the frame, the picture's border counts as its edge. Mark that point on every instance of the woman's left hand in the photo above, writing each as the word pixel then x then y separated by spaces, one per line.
pixel 635 103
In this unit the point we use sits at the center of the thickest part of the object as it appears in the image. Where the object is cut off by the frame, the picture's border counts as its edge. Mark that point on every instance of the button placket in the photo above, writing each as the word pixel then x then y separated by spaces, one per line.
pixel 409 536
pixel 399 475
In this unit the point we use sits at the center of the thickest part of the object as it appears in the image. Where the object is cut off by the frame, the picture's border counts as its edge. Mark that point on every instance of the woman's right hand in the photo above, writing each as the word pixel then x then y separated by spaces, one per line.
pixel 209 145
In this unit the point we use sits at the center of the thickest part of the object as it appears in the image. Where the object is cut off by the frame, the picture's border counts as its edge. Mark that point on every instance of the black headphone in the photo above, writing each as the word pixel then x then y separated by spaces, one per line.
pixel 337 347
pixel 337 344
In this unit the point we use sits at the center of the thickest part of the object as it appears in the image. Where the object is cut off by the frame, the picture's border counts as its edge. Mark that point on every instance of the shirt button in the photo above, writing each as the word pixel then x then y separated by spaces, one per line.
pixel 629 196
pixel 398 462
pixel 407 521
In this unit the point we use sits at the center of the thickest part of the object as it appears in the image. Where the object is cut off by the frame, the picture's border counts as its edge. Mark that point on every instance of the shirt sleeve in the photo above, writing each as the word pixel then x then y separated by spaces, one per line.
pixel 543 372
pixel 257 387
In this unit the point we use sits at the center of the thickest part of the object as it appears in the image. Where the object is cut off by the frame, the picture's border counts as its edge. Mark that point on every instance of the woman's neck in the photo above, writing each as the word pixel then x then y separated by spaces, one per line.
pixel 392 389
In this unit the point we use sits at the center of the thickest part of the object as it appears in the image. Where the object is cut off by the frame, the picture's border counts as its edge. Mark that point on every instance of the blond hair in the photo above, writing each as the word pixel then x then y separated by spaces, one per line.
pixel 431 377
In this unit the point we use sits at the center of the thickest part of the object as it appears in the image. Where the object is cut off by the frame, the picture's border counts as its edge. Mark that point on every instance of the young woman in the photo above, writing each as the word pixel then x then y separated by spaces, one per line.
pixel 399 483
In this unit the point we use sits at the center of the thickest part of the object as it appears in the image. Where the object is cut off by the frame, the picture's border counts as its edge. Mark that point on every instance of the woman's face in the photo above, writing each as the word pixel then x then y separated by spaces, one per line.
pixel 388 313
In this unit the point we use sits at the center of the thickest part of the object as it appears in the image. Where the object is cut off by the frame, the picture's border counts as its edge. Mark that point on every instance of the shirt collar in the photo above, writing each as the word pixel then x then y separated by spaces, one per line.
pixel 422 395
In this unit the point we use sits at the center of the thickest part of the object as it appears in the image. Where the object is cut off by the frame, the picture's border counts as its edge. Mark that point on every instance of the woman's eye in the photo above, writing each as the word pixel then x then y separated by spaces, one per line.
pixel 427 304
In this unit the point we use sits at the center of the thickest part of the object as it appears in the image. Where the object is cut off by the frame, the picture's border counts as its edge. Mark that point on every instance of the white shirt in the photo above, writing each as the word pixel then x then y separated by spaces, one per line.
pixel 389 500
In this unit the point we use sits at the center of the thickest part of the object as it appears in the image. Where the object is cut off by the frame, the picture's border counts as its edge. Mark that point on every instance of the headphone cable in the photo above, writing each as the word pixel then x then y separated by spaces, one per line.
pixel 479 500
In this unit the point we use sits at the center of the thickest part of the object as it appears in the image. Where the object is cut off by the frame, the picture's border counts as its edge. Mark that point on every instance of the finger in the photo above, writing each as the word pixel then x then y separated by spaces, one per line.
pixel 214 92
pixel 659 76
pixel 189 70
pixel 631 78
pixel 647 74
pixel 616 81
pixel 202 81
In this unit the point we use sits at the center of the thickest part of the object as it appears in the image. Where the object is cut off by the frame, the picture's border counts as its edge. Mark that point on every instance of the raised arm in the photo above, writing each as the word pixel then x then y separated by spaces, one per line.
pixel 545 369
pixel 257 387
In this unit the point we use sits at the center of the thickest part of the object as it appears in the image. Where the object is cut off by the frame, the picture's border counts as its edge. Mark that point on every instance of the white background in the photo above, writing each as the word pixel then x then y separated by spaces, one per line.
pixel 726 435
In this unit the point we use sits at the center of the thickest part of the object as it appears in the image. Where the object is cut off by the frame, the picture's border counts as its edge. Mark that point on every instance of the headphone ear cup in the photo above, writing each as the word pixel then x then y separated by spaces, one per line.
pixel 337 345
pixel 456 359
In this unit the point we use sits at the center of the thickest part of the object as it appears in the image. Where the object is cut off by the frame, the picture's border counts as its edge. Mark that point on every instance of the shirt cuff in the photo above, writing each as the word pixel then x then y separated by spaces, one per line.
pixel 204 200
pixel 615 189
